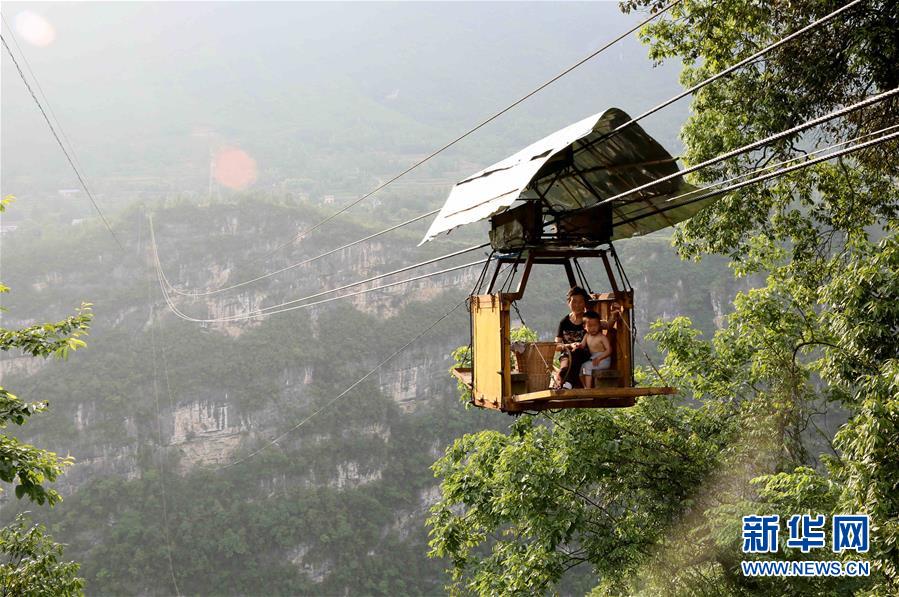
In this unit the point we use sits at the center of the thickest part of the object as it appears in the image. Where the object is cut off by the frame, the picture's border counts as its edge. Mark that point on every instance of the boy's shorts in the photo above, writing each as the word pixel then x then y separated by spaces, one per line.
pixel 588 368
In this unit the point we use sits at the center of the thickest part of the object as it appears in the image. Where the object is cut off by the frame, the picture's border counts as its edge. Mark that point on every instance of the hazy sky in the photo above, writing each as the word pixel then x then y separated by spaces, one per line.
pixel 146 92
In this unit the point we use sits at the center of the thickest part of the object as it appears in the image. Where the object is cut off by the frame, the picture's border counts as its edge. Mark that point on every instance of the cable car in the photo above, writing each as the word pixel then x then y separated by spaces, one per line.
pixel 562 201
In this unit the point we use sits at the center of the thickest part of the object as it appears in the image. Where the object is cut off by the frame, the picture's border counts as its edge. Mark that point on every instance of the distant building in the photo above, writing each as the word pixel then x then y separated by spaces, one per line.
pixel 7 229
pixel 78 221
pixel 68 192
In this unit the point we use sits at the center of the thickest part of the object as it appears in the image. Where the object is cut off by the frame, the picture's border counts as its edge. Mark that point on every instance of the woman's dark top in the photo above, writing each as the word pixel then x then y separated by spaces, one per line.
pixel 572 360
pixel 570 332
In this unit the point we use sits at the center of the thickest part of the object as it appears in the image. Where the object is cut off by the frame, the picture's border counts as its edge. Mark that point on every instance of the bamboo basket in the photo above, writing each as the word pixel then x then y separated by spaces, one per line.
pixel 536 362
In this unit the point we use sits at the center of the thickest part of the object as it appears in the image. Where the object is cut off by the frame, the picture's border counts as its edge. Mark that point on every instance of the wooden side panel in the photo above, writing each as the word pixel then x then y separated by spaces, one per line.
pixel 623 346
pixel 490 347
pixel 622 330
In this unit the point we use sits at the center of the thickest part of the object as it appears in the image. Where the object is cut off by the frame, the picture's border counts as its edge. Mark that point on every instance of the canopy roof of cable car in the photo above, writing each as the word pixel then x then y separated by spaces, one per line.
pixel 576 168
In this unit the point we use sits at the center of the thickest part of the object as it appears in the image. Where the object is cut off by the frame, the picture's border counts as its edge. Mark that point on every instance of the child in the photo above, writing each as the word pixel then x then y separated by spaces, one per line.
pixel 597 345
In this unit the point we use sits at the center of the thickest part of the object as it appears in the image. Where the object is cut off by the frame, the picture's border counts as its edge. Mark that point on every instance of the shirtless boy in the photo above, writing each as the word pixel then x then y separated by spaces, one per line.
pixel 598 345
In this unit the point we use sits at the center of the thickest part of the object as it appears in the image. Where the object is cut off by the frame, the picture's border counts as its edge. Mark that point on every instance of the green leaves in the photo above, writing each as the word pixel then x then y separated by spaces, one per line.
pixel 824 325
pixel 30 468
pixel 30 563
pixel 30 560
pixel 50 339
pixel 594 487
pixel 650 497
pixel 28 465
pixel 523 333
pixel 12 409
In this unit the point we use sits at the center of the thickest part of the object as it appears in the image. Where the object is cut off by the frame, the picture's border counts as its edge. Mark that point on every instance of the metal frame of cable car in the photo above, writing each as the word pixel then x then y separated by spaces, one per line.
pixel 555 201
pixel 493 382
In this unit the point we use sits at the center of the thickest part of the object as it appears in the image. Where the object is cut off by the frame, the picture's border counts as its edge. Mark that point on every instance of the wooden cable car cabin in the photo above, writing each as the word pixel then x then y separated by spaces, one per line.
pixel 563 199
pixel 496 384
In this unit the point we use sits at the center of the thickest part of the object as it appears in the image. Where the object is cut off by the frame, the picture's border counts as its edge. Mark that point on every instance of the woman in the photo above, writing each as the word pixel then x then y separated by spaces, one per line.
pixel 568 337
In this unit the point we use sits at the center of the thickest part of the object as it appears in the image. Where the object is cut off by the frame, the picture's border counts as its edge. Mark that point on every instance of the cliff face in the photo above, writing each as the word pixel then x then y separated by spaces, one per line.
pixel 157 397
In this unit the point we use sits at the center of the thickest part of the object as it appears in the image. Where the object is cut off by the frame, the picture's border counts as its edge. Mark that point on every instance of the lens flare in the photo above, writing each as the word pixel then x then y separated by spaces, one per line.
pixel 35 29
pixel 234 168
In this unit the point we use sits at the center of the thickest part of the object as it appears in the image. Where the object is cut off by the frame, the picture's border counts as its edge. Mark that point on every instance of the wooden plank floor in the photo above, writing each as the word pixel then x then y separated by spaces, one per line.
pixel 574 398
pixel 539 405
pixel 593 393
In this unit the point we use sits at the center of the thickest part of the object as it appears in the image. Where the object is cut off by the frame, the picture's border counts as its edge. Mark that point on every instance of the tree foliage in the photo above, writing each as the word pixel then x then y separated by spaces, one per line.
pixel 592 487
pixel 30 563
pixel 28 466
pixel 31 566
pixel 661 514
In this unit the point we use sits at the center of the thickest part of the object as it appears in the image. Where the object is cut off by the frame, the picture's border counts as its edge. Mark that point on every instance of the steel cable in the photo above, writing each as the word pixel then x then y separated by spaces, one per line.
pixel 483 123
pixel 756 144
pixel 304 262
pixel 61 146
pixel 714 188
pixel 617 130
pixel 281 436
pixel 281 308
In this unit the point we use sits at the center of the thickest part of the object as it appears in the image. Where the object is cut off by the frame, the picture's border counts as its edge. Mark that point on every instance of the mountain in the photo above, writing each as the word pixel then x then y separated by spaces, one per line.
pixel 225 458
pixel 171 422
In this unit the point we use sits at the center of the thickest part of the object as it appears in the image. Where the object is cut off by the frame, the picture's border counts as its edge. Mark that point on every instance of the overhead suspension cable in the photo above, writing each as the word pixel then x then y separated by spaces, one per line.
pixel 732 68
pixel 715 189
pixel 756 144
pixel 798 158
pixel 291 305
pixel 749 147
pixel 166 282
pixel 61 146
pixel 265 312
pixel 670 101
pixel 277 308
pixel 305 261
pixel 40 89
pixel 804 163
pixel 345 392
pixel 159 442
pixel 483 123
pixel 615 131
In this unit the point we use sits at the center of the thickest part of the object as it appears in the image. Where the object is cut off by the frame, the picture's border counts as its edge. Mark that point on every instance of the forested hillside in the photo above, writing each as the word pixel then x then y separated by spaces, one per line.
pixel 324 450
pixel 157 403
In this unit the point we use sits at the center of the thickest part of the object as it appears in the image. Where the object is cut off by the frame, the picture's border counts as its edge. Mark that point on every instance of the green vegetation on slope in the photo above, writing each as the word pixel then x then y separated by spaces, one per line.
pixel 340 503
pixel 651 500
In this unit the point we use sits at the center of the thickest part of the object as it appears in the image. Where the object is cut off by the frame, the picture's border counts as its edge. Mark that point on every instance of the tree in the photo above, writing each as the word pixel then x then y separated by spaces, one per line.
pixel 820 333
pixel 31 556
pixel 30 563
pixel 592 488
